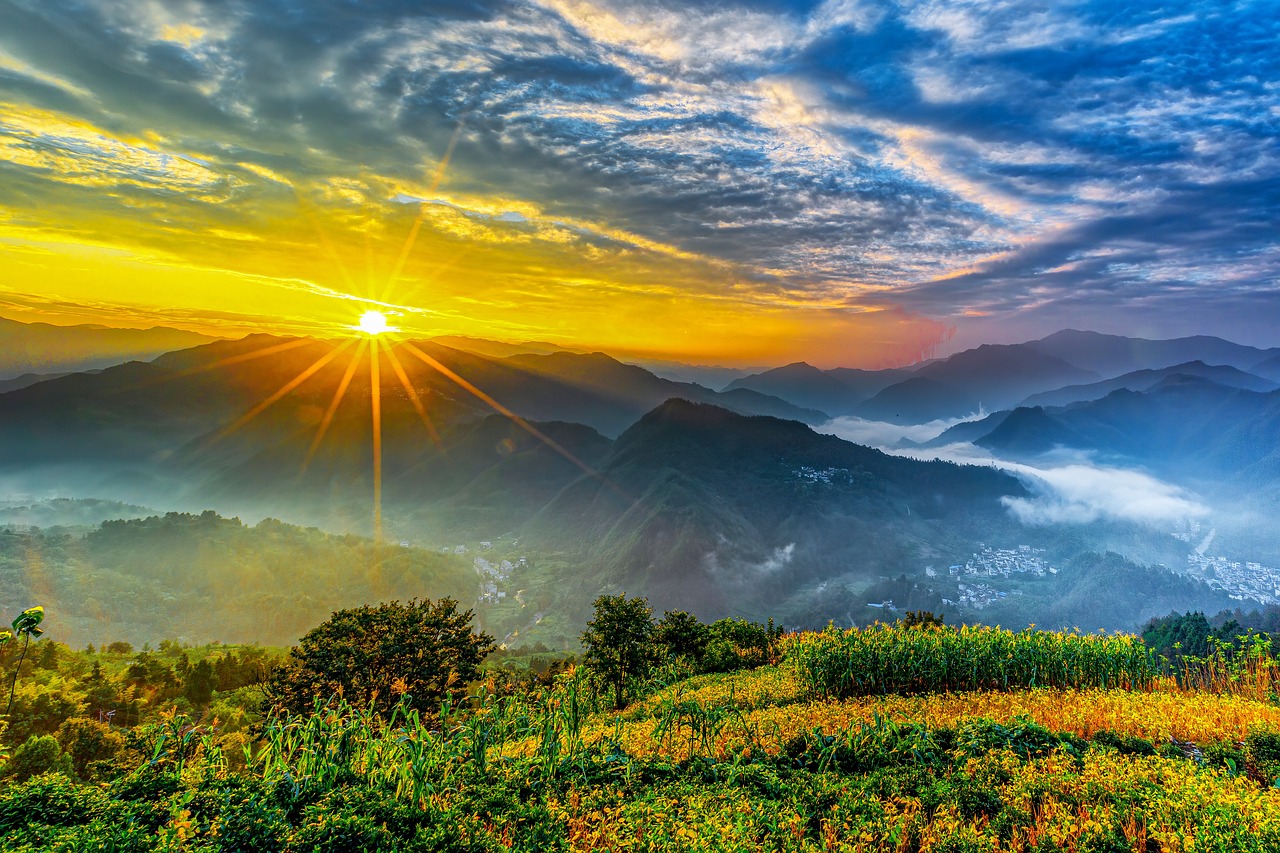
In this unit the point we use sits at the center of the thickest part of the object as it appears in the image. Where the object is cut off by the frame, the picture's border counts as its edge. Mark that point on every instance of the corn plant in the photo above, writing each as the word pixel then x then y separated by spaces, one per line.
pixel 895 659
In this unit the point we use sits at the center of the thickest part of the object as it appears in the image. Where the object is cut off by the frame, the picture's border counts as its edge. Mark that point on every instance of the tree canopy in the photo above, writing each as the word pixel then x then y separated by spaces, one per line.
pixel 377 654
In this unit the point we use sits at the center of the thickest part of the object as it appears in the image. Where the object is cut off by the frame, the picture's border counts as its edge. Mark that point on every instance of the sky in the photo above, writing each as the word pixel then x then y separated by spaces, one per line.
pixel 755 182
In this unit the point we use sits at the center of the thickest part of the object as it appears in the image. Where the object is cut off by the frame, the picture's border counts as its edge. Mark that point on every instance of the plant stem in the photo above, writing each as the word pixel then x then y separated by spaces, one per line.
pixel 18 666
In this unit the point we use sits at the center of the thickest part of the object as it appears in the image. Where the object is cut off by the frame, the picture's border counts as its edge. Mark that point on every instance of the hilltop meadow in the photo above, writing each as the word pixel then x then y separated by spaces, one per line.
pixel 400 727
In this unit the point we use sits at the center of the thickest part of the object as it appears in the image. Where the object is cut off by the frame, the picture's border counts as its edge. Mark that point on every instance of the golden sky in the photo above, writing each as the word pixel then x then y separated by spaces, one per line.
pixel 840 183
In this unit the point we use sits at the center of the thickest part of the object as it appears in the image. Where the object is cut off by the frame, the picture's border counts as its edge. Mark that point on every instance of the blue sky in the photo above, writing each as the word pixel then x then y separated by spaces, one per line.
pixel 932 173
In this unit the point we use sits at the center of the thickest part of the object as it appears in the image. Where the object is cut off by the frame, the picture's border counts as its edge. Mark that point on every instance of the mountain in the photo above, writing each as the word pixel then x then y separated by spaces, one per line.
pixel 917 400
pixel 43 348
pixel 1113 355
pixel 498 349
pixel 711 376
pixel 707 510
pixel 1144 380
pixel 210 426
pixel 804 385
pixel 999 375
pixel 1270 368
pixel 837 392
pixel 1185 428
pixel 988 377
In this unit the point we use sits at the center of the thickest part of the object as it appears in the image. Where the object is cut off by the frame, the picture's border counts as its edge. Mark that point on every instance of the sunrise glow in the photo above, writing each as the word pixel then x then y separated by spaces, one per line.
pixel 373 323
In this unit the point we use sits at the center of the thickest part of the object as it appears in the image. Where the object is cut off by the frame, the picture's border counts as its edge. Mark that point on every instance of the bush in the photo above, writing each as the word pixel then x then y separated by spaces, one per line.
pixel 1262 756
pixel 39 754
pixel 90 745
pixel 50 800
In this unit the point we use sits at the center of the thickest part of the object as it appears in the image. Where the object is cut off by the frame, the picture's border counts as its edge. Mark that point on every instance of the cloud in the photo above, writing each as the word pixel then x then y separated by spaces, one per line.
pixel 1020 159
pixel 1079 494
pixel 887 436
pixel 1074 490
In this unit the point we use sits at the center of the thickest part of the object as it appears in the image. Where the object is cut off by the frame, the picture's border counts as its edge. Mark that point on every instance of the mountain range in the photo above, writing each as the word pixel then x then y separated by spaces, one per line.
pixel 614 478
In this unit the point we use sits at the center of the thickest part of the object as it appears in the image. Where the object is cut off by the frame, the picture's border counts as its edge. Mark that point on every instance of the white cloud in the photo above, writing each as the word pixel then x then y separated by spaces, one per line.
pixel 1077 491
pixel 886 435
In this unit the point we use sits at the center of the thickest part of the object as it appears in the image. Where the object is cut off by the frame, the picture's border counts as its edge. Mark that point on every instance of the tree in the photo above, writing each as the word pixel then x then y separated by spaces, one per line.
pixel 374 655
pixel 922 619
pixel 619 642
pixel 681 635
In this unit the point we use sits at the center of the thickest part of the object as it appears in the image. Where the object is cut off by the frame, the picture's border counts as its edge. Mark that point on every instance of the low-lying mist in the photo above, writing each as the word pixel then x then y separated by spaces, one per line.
pixel 1068 487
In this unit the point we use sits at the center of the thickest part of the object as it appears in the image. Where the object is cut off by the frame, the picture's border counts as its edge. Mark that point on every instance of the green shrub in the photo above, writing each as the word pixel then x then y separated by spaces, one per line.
pixel 49 800
pixel 1022 736
pixel 39 754
pixel 91 745
pixel 1262 754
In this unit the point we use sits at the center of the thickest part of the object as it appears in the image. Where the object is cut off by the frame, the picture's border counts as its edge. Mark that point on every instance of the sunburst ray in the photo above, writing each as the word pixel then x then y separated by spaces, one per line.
pixel 330 412
pixel 285 389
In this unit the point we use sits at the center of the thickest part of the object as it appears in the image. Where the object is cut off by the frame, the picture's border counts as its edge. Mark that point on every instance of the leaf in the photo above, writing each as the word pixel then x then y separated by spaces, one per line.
pixel 28 620
pixel 5 636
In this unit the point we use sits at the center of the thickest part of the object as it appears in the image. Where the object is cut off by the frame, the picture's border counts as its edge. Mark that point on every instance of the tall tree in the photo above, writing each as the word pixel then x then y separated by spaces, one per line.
pixel 619 642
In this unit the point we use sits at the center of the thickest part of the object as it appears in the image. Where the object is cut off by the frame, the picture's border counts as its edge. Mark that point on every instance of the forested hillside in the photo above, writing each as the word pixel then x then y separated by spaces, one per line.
pixel 200 578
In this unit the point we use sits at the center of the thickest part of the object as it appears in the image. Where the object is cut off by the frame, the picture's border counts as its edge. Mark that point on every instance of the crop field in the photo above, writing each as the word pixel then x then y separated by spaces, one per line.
pixel 1099 758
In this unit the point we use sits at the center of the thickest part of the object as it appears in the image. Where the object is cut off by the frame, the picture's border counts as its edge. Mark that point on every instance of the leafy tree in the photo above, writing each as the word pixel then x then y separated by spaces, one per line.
pixel 681 635
pixel 374 655
pixel 738 644
pixel 200 683
pixel 619 642
pixel 922 619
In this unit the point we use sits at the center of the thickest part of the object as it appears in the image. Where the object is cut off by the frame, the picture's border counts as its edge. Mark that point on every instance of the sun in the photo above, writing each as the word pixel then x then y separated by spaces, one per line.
pixel 373 323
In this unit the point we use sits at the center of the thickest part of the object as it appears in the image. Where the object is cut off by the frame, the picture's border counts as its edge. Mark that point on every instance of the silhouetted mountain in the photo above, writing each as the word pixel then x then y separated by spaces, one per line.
pixel 988 377
pixel 43 348
pixel 1270 368
pixel 1186 428
pixel 804 385
pixel 1029 431
pixel 26 380
pixel 867 383
pixel 917 400
pixel 968 431
pixel 999 375
pixel 711 376
pixel 1113 355
pixel 498 349
pixel 1144 380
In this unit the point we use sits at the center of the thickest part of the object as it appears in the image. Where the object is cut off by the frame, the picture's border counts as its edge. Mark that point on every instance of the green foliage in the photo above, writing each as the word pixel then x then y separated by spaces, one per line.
pixel 681 635
pixel 423 651
pixel 897 659
pixel 91 745
pixel 51 800
pixel 1021 736
pixel 1262 752
pixel 37 755
pixel 619 642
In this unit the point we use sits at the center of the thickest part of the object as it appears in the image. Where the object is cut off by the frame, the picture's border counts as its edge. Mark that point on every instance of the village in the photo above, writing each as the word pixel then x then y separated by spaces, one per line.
pixel 1240 580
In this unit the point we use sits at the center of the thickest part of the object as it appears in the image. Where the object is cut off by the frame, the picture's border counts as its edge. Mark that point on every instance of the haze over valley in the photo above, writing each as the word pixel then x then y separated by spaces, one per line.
pixel 1077 480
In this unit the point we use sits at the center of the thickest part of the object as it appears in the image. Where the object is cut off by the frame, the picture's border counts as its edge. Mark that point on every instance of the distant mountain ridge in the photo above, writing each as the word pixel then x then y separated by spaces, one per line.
pixel 1065 367
pixel 41 348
